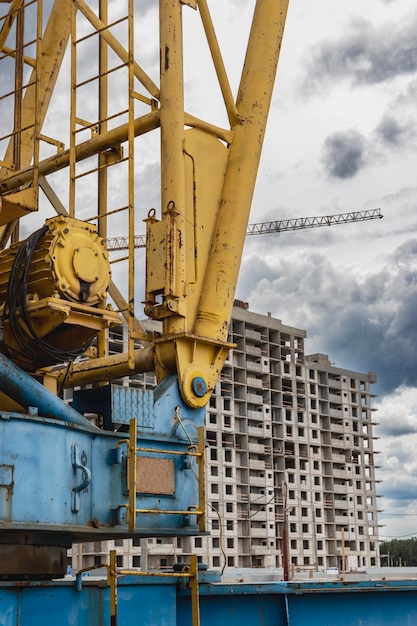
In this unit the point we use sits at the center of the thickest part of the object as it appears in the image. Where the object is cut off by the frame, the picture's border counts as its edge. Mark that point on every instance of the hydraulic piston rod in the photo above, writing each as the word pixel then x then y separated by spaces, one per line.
pixel 25 390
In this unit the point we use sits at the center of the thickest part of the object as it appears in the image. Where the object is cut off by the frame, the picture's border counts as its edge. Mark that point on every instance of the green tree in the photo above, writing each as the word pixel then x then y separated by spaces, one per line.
pixel 399 552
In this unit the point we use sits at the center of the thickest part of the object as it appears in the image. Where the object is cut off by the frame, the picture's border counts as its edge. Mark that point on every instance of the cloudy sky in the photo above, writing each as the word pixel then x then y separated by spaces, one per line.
pixel 341 137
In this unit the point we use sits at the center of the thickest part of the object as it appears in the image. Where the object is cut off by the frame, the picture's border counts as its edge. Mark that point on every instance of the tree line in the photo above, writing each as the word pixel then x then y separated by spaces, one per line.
pixel 399 552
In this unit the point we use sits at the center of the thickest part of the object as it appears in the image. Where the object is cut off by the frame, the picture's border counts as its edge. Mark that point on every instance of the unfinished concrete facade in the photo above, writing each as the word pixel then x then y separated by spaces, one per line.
pixel 290 458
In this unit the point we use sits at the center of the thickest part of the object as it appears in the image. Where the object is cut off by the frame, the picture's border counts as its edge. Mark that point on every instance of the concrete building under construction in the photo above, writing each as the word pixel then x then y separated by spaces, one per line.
pixel 290 461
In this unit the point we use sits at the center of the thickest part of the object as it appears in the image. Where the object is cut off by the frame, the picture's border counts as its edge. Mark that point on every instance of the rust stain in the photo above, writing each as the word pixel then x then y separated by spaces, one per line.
pixel 7 478
pixel 94 523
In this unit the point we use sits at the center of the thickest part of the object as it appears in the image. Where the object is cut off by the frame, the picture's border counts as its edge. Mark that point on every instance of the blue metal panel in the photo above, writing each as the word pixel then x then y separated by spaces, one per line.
pixel 173 418
pixel 10 603
pixel 164 602
pixel 344 606
pixel 147 602
pixel 128 401
pixel 60 605
pixel 56 478
pixel 154 410
pixel 37 479
pixel 39 604
pixel 36 455
pixel 265 610
pixel 117 405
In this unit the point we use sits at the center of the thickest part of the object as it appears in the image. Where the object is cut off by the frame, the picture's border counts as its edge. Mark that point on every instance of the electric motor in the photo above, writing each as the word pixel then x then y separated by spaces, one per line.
pixel 69 260
pixel 51 288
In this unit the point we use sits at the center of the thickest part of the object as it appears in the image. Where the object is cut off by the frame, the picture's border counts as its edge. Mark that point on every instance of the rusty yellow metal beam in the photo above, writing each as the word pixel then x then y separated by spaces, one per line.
pixel 99 143
pixel 172 138
pixel 228 98
pixel 107 368
pixel 224 134
pixel 194 252
pixel 112 581
pixel 37 98
pixel 9 21
pixel 12 53
pixel 195 599
pixel 102 178
pixel 201 479
pixel 105 141
pixel 253 102
pixel 131 186
pixel 116 46
pixel 131 475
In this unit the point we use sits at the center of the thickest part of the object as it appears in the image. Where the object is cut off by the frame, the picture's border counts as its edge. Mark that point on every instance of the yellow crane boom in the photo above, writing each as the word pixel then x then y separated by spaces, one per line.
pixel 112 99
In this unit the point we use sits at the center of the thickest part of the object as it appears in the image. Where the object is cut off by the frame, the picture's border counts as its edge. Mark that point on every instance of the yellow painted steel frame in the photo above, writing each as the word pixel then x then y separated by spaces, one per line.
pixel 193 451
pixel 34 107
pixel 189 572
pixel 111 568
pixel 208 173
pixel 206 192
pixel 131 475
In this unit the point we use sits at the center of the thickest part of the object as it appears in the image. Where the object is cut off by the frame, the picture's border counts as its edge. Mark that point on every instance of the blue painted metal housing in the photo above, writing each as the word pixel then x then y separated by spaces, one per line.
pixel 64 478
pixel 155 410
pixel 165 602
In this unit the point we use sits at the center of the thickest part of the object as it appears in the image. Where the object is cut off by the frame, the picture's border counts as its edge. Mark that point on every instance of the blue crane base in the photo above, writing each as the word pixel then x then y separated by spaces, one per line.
pixel 64 482
pixel 165 602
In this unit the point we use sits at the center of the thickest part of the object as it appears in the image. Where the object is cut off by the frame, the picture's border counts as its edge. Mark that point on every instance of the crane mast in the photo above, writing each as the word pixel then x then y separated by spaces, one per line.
pixel 78 119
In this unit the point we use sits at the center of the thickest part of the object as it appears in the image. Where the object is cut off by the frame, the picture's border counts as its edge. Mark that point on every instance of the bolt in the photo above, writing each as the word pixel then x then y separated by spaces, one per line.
pixel 199 386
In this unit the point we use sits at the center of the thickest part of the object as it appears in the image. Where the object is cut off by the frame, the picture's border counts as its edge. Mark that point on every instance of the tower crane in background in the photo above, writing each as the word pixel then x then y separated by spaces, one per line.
pixel 264 228
pixel 300 223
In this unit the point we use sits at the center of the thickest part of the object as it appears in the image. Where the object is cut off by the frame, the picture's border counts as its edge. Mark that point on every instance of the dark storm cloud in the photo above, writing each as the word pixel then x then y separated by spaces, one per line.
pixel 366 54
pixel 362 324
pixel 344 154
pixel 394 133
pixel 390 131
pixel 316 238
pixel 397 429
pixel 374 325
pixel 261 270
pixel 402 490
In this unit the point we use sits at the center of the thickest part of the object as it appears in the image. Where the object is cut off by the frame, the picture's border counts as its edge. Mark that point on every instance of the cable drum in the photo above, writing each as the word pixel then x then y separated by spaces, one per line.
pixel 51 286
